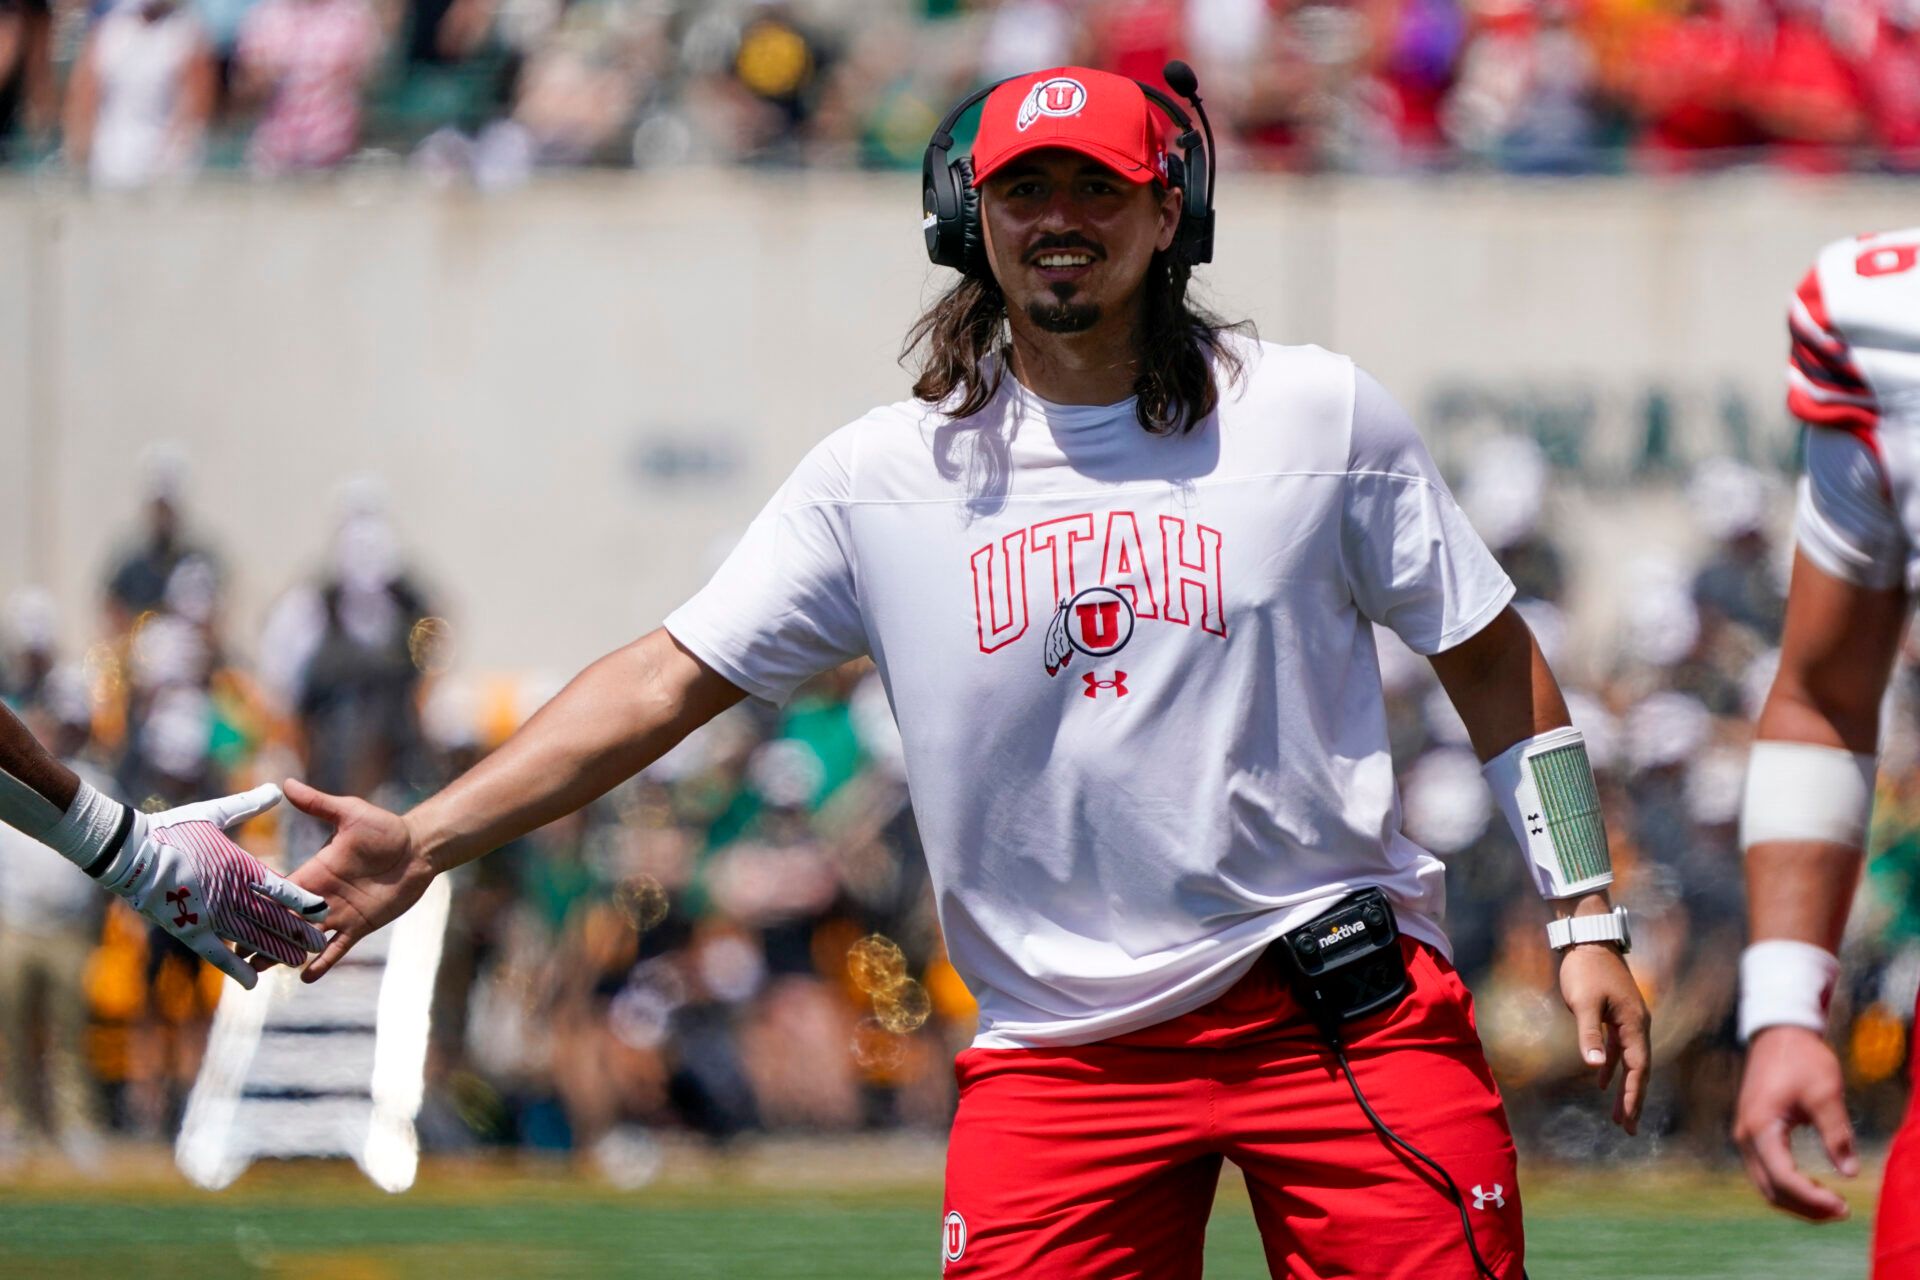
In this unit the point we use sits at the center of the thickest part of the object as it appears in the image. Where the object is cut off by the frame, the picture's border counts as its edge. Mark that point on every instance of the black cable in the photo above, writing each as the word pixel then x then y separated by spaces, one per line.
pixel 1453 1189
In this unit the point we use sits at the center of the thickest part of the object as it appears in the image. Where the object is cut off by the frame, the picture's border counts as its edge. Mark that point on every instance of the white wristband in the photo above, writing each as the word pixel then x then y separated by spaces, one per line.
pixel 1544 785
pixel 88 826
pixel 1785 983
pixel 1800 791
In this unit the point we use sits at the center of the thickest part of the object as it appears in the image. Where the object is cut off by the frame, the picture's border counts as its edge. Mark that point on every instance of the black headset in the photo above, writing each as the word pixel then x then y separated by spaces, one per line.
pixel 951 206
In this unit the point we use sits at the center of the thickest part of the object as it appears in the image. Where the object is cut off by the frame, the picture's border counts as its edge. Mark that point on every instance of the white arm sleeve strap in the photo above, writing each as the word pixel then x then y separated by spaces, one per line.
pixel 1800 791
pixel 1544 785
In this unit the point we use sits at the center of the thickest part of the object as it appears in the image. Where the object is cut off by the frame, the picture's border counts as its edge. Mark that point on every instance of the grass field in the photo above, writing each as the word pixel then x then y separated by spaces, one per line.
pixel 790 1212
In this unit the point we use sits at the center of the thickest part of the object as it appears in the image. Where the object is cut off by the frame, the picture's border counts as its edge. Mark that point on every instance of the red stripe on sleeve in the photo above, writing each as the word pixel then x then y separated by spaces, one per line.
pixel 1825 364
pixel 1812 299
pixel 1848 417
pixel 1835 375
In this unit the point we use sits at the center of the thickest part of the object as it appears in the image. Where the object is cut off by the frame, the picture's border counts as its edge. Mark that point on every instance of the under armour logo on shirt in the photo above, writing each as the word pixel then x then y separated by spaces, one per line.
pixel 1094 684
pixel 1480 1197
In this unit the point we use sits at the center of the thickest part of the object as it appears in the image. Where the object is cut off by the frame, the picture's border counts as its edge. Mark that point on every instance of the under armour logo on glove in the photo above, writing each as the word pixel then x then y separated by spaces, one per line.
pixel 183 856
pixel 1480 1198
pixel 1094 684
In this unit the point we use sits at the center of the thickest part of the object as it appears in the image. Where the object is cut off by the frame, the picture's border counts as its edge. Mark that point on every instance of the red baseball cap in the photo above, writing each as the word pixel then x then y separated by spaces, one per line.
pixel 1096 113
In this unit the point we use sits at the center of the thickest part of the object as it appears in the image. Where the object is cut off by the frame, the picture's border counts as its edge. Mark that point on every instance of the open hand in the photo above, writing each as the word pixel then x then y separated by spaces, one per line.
pixel 1793 1078
pixel 369 873
pixel 1613 1022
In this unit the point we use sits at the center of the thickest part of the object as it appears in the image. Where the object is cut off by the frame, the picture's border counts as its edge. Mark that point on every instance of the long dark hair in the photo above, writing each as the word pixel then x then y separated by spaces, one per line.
pixel 1181 346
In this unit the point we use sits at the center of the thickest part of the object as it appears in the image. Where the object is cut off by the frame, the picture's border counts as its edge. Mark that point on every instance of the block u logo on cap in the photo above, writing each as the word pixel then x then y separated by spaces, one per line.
pixel 1060 96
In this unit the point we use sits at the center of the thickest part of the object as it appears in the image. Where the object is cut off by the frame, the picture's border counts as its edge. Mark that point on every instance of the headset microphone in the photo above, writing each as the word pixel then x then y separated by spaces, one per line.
pixel 1199 195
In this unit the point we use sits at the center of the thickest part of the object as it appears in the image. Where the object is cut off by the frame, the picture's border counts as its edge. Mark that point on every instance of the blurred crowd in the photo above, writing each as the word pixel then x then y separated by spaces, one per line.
pixel 131 92
pixel 742 940
pixel 739 940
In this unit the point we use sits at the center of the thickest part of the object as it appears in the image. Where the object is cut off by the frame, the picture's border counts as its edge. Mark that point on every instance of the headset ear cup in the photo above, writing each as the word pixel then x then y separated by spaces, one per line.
pixel 1196 210
pixel 1177 179
pixel 973 246
pixel 941 210
pixel 1202 172
pixel 930 220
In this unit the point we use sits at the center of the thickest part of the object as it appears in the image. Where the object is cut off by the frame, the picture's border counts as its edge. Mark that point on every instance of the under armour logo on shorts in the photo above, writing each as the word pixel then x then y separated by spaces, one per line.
pixel 1480 1197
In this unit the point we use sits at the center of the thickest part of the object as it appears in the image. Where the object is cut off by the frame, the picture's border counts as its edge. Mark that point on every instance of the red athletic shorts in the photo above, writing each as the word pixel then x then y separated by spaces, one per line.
pixel 1896 1225
pixel 1099 1162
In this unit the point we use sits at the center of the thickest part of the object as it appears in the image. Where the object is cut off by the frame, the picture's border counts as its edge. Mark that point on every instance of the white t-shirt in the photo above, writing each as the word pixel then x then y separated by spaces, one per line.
pixel 1853 375
pixel 142 68
pixel 1123 800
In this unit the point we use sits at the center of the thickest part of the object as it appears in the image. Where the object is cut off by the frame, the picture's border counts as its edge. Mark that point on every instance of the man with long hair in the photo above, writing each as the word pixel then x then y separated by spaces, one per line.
pixel 1119 566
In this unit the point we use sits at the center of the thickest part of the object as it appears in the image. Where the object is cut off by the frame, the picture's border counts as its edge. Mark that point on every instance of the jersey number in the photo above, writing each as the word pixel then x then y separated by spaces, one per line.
pixel 1890 261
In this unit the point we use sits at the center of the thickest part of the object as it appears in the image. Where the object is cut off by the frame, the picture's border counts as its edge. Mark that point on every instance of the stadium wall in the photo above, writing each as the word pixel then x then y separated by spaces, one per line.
pixel 576 393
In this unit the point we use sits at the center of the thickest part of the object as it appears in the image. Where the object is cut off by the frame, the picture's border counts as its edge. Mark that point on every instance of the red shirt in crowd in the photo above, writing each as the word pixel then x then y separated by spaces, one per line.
pixel 1686 87
pixel 1889 73
pixel 1805 96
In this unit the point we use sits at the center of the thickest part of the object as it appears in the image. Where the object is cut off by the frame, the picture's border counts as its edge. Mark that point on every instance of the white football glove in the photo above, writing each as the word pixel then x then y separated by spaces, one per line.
pixel 179 870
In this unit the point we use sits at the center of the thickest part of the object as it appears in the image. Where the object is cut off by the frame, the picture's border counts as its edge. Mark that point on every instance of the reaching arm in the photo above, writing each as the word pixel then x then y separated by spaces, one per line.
pixel 613 720
pixel 1820 728
pixel 176 868
pixel 1499 682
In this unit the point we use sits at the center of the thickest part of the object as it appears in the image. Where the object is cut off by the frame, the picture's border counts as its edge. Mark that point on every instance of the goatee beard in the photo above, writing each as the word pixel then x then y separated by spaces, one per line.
pixel 1060 316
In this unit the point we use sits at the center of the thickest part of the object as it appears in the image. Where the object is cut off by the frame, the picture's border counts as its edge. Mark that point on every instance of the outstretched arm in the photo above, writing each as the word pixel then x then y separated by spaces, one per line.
pixel 1499 682
pixel 613 720
pixel 1822 714
pixel 176 868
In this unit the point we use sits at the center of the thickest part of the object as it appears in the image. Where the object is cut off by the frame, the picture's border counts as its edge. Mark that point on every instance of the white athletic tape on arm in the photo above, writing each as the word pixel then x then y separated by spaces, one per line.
pixel 1544 785
pixel 1785 983
pixel 1800 791
pixel 88 828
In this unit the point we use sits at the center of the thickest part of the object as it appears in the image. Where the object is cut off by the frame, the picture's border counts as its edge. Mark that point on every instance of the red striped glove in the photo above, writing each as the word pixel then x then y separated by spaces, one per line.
pixel 179 870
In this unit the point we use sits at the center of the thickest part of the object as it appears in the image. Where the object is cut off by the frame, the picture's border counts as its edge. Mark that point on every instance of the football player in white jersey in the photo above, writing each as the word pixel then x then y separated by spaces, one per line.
pixel 176 868
pixel 1119 567
pixel 1854 379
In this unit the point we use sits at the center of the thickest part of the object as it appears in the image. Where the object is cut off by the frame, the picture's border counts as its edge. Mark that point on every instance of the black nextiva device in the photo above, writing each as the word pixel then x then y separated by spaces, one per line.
pixel 1347 962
